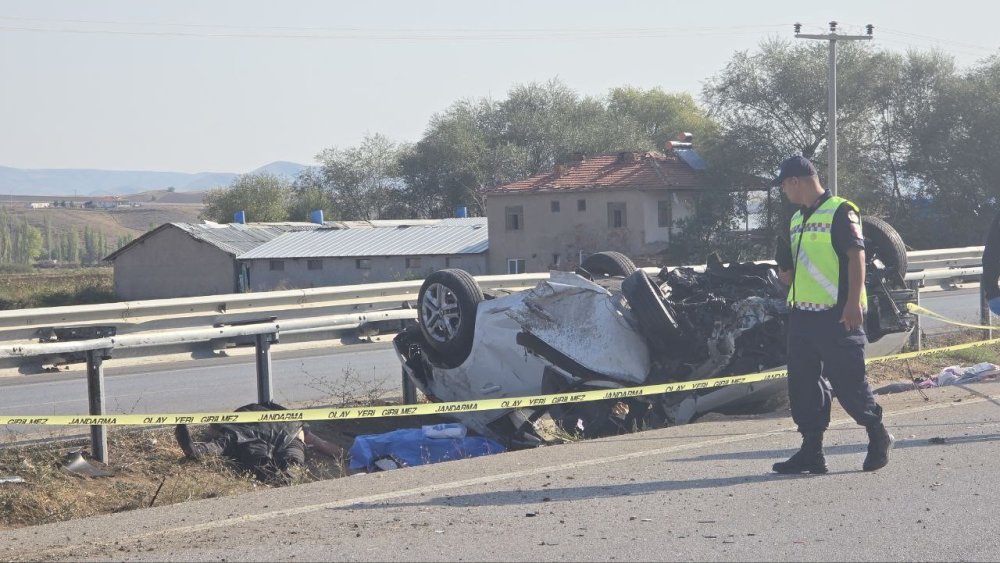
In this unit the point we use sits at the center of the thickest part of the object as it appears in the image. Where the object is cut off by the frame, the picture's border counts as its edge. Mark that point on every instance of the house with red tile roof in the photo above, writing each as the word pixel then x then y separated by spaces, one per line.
pixel 627 201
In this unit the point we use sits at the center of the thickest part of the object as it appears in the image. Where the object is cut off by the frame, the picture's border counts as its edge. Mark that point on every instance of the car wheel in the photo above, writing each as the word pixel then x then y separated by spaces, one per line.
pixel 608 264
pixel 656 319
pixel 446 313
pixel 883 242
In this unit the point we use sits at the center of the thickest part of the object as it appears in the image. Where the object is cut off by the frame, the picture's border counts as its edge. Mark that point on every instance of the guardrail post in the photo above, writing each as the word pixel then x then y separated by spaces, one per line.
pixel 916 339
pixel 984 314
pixel 409 390
pixel 263 355
pixel 95 394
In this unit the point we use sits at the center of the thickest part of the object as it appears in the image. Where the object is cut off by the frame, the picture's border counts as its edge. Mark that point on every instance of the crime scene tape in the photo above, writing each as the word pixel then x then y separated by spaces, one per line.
pixel 303 415
pixel 925 312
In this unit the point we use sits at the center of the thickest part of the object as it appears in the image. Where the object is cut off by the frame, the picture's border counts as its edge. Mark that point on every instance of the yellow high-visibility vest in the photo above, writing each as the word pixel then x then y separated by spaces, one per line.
pixel 817 267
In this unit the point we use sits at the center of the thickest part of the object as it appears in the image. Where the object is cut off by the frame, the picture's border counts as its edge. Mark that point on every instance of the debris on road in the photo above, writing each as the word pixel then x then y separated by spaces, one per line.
pixel 417 446
pixel 951 375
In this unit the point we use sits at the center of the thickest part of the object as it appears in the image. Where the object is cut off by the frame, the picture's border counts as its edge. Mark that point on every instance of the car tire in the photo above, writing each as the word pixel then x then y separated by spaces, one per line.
pixel 608 264
pixel 446 313
pixel 883 242
pixel 656 320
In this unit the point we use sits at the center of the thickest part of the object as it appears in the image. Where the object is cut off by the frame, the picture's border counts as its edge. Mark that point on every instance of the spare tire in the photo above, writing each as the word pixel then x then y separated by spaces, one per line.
pixel 446 313
pixel 656 319
pixel 884 243
pixel 608 264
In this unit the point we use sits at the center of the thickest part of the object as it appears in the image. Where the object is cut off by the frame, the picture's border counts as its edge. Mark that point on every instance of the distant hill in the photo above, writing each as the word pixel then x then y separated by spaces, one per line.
pixel 69 181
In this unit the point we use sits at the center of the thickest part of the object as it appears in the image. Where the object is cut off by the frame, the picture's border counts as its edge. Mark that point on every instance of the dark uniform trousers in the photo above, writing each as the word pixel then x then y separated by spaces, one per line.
pixel 821 350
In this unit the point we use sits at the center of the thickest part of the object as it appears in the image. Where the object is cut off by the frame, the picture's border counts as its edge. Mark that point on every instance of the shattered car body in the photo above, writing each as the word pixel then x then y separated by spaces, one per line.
pixel 572 333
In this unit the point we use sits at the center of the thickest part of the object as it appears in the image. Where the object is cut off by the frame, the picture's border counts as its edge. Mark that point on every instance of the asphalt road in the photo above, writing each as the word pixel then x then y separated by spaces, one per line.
pixel 696 492
pixel 299 377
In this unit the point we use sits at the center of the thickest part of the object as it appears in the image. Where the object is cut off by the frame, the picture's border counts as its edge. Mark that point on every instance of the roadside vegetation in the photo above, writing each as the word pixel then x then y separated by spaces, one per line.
pixel 149 468
pixel 25 287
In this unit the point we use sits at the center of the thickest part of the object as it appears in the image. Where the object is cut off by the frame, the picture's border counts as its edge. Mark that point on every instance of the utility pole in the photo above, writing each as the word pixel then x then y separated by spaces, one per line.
pixel 831 119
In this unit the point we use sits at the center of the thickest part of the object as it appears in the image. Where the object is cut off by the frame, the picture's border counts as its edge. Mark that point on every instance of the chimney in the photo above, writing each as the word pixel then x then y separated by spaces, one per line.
pixel 560 169
pixel 316 216
pixel 461 212
pixel 578 157
pixel 240 217
pixel 626 156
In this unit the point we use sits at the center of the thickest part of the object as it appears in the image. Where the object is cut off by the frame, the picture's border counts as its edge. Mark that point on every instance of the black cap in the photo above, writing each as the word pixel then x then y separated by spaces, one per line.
pixel 794 167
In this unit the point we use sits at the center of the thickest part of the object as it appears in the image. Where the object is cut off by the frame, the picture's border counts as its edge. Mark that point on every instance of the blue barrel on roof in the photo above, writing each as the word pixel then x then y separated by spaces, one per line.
pixel 240 217
pixel 316 216
pixel 461 212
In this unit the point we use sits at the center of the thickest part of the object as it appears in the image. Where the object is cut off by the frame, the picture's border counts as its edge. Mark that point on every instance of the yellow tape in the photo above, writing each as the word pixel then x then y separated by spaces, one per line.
pixel 303 415
pixel 925 312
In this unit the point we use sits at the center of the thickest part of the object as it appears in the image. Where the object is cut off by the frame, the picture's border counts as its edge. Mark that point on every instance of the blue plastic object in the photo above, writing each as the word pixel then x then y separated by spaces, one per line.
pixel 410 446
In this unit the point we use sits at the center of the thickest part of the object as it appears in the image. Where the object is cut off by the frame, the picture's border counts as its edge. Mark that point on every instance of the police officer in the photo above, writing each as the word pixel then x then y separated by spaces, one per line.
pixel 825 267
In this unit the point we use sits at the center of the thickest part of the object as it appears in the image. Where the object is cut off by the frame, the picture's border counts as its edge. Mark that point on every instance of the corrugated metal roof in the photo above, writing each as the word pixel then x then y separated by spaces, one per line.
pixel 446 237
pixel 236 238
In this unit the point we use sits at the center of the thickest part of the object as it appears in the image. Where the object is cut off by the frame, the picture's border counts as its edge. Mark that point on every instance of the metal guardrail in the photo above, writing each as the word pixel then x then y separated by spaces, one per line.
pixel 308 311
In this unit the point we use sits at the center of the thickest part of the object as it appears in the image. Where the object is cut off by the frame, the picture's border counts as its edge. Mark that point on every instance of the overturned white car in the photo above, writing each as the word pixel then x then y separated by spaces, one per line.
pixel 610 325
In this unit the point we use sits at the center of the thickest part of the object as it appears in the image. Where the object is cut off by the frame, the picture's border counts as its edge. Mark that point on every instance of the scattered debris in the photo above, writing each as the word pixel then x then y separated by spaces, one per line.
pixel 951 375
pixel 75 463
pixel 11 479
pixel 417 446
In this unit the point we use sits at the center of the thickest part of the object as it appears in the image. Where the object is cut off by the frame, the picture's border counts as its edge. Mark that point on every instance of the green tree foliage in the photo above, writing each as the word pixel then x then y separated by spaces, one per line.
pixel 264 197
pixel 476 145
pixel 361 182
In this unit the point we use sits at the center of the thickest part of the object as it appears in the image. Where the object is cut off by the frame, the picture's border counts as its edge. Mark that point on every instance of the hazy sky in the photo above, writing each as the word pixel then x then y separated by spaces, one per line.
pixel 201 85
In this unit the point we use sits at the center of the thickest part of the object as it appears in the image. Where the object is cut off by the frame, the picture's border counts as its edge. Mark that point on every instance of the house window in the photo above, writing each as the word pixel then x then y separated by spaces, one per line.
pixel 277 265
pixel 515 265
pixel 581 205
pixel 616 215
pixel 554 206
pixel 315 264
pixel 363 264
pixel 664 214
pixel 515 218
pixel 555 260
pixel 413 262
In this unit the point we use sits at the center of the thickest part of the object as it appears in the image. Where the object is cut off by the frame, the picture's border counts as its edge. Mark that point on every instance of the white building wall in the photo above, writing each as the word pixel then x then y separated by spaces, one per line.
pixel 345 271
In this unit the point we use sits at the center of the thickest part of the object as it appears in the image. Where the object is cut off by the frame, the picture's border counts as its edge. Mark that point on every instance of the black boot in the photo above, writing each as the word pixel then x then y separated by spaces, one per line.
pixel 879 444
pixel 192 449
pixel 809 458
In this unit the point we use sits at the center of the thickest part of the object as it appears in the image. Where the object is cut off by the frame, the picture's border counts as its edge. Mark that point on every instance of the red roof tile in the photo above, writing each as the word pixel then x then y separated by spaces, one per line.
pixel 636 170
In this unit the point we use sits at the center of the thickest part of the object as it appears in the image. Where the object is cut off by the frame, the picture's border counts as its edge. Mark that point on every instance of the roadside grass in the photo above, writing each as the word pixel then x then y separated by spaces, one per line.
pixel 926 366
pixel 149 468
pixel 56 287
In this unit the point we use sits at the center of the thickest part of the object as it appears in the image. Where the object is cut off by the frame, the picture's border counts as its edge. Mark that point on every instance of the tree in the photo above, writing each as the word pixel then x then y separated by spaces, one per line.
pixel 363 182
pixel 308 195
pixel 263 196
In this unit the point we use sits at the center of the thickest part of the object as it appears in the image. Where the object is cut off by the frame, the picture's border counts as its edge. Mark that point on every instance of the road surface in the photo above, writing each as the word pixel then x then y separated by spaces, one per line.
pixel 696 492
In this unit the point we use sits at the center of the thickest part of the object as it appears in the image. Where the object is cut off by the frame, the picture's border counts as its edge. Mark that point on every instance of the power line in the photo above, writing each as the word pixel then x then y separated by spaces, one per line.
pixel 428 34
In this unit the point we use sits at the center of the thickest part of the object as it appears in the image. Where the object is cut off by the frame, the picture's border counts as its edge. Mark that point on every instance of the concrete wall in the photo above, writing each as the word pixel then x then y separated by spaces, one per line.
pixel 344 271
pixel 170 263
pixel 569 232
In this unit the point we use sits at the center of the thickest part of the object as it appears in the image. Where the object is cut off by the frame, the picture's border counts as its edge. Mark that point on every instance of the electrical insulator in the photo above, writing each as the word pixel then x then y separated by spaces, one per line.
pixel 798 28
pixel 870 28
pixel 833 27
